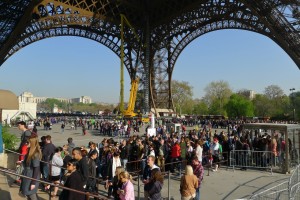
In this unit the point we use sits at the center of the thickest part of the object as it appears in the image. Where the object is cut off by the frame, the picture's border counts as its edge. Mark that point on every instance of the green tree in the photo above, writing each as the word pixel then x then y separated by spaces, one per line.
pixel 294 99
pixel 277 100
pixel 181 94
pixel 262 106
pixel 187 106
pixel 217 95
pixel 200 108
pixel 238 106
pixel 51 102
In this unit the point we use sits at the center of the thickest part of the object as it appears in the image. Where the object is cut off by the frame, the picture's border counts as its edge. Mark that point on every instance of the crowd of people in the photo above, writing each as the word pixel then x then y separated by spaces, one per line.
pixel 80 167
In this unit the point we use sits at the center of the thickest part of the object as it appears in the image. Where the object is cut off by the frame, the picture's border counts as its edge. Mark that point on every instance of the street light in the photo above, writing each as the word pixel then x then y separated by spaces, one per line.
pixel 292 96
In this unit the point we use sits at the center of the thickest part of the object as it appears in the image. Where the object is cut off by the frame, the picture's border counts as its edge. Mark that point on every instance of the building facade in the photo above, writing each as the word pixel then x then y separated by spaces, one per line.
pixel 28 107
pixel 82 99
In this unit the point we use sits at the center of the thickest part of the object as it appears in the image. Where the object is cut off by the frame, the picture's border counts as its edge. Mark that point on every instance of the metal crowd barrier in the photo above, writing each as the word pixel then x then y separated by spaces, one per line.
pixel 252 159
pixel 87 194
pixel 289 190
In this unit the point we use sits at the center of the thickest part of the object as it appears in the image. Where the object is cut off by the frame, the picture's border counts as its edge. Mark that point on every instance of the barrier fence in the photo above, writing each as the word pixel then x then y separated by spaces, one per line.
pixel 87 194
pixel 289 190
pixel 252 159
pixel 236 158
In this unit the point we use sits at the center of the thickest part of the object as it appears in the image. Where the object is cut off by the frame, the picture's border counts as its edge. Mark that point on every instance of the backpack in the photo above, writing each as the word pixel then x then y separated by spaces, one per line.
pixel 220 148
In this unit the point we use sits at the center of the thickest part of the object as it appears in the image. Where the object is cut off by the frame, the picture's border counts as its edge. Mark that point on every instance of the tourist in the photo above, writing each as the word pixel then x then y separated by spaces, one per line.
pixel 188 184
pixel 73 181
pixel 127 190
pixel 31 166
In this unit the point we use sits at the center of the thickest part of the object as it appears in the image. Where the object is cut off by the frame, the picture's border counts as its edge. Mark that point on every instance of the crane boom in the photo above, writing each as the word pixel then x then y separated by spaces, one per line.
pixel 124 21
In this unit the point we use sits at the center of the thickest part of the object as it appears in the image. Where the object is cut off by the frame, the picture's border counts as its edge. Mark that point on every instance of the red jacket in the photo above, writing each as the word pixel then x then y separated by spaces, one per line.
pixel 23 152
pixel 175 152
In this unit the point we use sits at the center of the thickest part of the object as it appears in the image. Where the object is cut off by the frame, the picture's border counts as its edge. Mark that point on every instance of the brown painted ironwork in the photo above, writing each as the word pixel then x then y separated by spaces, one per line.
pixel 165 27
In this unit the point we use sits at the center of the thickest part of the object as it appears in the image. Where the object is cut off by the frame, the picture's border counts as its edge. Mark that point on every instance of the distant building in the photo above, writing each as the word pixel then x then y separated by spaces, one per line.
pixel 82 99
pixel 28 106
pixel 250 94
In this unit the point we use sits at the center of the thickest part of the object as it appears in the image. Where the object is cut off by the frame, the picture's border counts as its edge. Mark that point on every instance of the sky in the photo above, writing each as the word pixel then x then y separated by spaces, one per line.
pixel 70 67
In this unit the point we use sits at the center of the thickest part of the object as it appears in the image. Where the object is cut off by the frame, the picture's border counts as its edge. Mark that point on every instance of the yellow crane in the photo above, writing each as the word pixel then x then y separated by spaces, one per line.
pixel 134 82
pixel 132 99
pixel 129 112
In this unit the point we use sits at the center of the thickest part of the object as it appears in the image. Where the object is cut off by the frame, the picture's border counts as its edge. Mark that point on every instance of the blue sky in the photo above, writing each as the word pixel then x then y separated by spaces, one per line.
pixel 70 67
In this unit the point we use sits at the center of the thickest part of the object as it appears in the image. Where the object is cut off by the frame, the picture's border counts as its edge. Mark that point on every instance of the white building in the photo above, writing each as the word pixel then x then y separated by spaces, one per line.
pixel 82 99
pixel 27 109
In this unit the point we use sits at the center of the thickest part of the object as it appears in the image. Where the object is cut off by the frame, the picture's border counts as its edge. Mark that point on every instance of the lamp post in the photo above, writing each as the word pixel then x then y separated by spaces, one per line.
pixel 292 96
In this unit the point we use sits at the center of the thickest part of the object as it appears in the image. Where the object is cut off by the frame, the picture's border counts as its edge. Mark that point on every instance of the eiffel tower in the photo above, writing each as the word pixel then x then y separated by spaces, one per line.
pixel 165 28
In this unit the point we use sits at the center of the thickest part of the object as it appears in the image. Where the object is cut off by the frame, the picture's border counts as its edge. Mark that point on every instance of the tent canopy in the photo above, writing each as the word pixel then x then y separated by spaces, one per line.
pixel 8 100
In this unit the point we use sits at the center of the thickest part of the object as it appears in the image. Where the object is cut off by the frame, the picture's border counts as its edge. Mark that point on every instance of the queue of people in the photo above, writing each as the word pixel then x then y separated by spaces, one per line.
pixel 167 151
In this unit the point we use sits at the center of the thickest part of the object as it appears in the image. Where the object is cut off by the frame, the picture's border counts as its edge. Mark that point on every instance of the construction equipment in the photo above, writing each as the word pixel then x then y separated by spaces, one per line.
pixel 123 22
pixel 129 113
pixel 131 103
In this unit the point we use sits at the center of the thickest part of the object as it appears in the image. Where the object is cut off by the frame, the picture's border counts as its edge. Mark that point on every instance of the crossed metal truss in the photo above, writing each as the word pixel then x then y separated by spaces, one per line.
pixel 166 27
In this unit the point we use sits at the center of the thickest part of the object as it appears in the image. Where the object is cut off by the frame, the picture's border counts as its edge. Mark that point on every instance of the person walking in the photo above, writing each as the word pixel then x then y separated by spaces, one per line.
pixel 62 127
pixel 31 166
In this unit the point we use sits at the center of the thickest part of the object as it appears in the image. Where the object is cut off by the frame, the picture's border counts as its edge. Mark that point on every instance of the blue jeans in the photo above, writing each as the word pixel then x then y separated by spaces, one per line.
pixel 124 161
pixel 45 171
pixel 197 194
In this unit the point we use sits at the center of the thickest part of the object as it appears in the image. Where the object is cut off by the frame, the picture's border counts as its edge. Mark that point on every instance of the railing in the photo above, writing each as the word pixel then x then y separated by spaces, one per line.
pixel 289 190
pixel 252 159
pixel 98 180
pixel 294 184
pixel 87 194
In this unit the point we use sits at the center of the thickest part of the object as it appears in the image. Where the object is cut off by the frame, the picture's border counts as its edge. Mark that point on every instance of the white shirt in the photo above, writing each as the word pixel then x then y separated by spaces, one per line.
pixel 198 152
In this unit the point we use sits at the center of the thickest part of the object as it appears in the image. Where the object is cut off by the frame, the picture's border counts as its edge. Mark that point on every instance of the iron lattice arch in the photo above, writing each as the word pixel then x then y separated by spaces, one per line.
pixel 165 28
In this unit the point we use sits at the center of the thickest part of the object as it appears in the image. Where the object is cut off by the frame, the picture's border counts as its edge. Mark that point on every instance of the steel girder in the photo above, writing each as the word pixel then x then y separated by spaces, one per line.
pixel 166 27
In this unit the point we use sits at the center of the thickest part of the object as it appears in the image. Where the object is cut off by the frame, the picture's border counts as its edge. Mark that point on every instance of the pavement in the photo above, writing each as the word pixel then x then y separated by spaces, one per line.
pixel 225 184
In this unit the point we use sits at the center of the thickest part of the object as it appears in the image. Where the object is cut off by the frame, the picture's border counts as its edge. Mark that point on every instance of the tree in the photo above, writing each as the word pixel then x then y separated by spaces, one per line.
pixel 262 106
pixel 181 93
pixel 277 100
pixel 273 92
pixel 238 106
pixel 294 99
pixel 51 102
pixel 200 107
pixel 217 95
pixel 187 106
